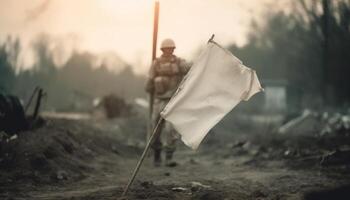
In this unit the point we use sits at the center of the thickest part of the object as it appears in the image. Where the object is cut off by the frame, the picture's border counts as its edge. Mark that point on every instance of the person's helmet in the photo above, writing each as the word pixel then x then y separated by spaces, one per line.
pixel 167 43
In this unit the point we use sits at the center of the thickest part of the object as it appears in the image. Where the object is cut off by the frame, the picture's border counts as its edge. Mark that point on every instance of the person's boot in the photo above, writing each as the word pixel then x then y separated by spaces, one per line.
pixel 169 162
pixel 157 158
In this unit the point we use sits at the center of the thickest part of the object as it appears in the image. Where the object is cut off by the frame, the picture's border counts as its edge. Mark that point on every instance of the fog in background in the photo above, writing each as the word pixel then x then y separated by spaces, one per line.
pixel 81 50
pixel 125 27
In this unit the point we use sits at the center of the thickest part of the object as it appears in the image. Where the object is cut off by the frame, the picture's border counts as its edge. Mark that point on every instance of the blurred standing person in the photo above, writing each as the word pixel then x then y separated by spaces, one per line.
pixel 165 74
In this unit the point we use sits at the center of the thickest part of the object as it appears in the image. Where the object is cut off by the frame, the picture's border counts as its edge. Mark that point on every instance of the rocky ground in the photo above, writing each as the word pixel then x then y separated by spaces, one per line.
pixel 89 159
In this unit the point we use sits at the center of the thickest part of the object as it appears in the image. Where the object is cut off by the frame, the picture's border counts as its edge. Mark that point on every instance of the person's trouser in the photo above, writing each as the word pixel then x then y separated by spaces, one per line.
pixel 167 133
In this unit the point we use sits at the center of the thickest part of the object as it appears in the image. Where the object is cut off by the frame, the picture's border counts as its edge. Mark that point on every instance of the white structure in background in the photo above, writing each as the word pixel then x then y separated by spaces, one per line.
pixel 275 95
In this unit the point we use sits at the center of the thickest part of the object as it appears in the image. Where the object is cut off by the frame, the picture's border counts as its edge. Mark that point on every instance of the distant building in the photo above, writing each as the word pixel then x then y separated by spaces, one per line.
pixel 275 95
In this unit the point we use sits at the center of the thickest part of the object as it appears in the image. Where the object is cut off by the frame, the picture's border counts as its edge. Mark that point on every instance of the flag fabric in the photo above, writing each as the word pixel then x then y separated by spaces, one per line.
pixel 215 84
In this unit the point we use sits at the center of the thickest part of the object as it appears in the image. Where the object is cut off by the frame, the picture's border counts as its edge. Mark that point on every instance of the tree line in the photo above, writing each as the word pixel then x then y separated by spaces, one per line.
pixel 309 47
pixel 70 86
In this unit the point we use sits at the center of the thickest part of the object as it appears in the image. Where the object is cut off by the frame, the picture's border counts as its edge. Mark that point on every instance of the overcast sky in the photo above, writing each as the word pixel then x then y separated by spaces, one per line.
pixel 125 26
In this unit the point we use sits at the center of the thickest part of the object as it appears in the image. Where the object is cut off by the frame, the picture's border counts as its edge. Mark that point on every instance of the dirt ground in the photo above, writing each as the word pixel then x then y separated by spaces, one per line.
pixel 72 159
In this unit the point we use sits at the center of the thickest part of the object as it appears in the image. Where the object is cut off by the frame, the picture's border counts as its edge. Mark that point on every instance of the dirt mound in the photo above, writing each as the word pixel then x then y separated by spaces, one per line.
pixel 62 150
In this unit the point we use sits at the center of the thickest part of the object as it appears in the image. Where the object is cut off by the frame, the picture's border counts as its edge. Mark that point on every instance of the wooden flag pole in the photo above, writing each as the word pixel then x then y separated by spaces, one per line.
pixel 154 55
pixel 154 133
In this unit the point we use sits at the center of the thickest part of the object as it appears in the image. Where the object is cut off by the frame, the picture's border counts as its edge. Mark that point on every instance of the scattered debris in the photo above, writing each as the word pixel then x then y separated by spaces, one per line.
pixel 238 144
pixel 193 161
pixel 313 123
pixel 14 137
pixel 147 184
pixel 36 89
pixel 61 150
pixel 179 189
pixel 115 149
pixel 336 123
pixel 167 173
pixel 307 123
pixel 259 194
pixel 336 157
pixel 195 186
pixel 12 114
pixel 3 136
pixel 314 139
pixel 115 106
pixel 171 164
pixel 12 118
pixel 61 175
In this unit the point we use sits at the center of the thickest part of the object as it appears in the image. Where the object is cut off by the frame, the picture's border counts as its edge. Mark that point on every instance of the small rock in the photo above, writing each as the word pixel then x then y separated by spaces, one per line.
pixel 3 136
pixel 287 152
pixel 146 184
pixel 171 164
pixel 115 149
pixel 246 145
pixel 259 194
pixel 193 161
pixel 209 195
pixel 167 173
pixel 195 186
pixel 61 175
pixel 238 144
pixel 88 151
pixel 38 162
pixel 179 189
pixel 14 137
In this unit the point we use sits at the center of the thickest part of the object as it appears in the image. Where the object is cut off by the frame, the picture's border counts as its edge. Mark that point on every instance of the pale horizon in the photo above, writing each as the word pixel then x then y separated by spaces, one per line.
pixel 125 28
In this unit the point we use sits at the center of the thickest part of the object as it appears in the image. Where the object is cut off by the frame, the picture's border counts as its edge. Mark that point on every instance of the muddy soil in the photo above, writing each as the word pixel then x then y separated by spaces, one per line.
pixel 90 160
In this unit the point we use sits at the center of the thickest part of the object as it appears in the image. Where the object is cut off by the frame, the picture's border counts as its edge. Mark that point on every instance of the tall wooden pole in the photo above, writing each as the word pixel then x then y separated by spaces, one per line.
pixel 154 55
pixel 152 131
pixel 155 30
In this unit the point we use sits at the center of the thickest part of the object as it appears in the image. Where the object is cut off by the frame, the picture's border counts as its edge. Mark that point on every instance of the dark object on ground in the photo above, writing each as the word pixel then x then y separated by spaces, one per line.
pixel 336 157
pixel 12 118
pixel 340 193
pixel 31 99
pixel 115 106
pixel 38 103
pixel 171 164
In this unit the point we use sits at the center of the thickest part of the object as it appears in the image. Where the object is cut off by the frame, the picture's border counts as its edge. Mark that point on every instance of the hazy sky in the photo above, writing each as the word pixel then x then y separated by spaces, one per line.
pixel 125 26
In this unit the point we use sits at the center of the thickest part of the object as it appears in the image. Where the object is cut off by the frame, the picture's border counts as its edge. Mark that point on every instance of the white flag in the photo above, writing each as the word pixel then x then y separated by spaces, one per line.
pixel 215 84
